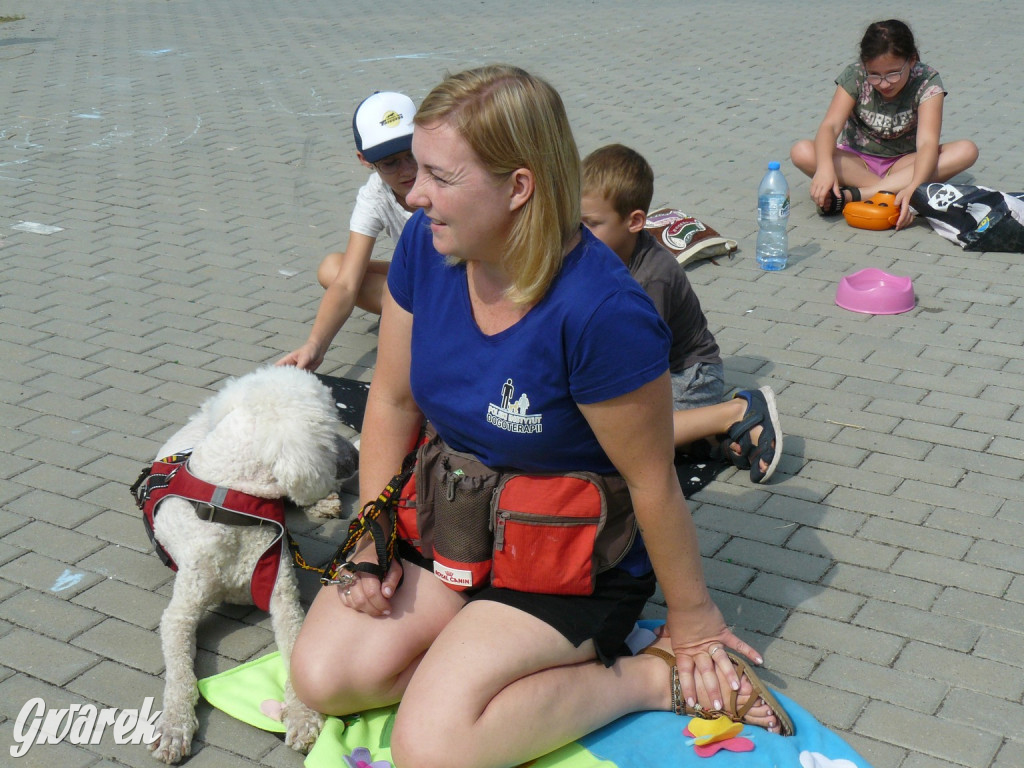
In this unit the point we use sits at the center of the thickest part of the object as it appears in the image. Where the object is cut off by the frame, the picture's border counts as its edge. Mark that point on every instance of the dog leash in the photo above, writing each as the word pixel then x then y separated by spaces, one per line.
pixel 341 571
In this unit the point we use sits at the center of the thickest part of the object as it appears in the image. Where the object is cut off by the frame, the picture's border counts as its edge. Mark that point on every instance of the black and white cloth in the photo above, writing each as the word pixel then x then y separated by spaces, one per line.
pixel 975 218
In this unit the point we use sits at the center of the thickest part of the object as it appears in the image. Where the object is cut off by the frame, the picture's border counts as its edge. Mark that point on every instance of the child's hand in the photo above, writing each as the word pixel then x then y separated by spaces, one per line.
pixel 903 201
pixel 307 357
pixel 823 182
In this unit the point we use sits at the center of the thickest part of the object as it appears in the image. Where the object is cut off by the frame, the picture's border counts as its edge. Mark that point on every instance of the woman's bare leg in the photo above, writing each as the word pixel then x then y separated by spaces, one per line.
pixel 506 687
pixel 345 661
pixel 851 171
pixel 328 269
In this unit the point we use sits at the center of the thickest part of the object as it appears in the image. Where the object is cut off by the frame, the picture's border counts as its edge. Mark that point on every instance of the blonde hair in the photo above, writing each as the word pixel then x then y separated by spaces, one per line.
pixel 621 176
pixel 513 120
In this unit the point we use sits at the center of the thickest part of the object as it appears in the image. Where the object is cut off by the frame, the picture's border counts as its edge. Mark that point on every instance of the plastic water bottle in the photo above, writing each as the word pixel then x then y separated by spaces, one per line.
pixel 772 220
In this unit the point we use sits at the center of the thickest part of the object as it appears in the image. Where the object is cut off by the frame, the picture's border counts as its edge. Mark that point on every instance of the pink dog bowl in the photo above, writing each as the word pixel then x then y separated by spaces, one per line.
pixel 875 292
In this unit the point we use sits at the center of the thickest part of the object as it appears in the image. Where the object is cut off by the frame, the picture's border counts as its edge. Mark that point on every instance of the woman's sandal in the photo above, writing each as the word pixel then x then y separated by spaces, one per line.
pixel 834 205
pixel 763 412
pixel 734 712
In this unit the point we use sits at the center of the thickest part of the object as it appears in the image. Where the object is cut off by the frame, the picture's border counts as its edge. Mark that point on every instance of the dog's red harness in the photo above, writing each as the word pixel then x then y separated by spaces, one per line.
pixel 171 477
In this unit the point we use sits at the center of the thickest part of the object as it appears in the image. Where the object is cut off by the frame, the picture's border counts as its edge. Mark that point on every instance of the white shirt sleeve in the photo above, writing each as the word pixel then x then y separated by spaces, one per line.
pixel 377 210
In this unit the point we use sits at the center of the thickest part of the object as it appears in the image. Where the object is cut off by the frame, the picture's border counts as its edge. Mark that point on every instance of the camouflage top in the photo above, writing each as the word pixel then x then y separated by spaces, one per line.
pixel 885 127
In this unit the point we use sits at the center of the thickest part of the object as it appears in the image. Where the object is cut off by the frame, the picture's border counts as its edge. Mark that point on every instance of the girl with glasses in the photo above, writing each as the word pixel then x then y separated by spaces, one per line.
pixel 881 131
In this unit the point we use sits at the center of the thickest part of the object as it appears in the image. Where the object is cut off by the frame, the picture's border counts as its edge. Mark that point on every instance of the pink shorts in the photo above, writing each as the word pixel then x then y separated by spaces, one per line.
pixel 877 165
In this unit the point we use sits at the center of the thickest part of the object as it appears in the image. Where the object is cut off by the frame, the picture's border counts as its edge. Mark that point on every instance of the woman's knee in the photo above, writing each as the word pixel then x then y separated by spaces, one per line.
pixel 414 746
pixel 335 682
pixel 313 687
pixel 954 158
pixel 318 675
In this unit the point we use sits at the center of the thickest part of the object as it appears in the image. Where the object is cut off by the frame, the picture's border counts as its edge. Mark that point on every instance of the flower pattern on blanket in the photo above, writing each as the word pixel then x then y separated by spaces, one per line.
pixel 818 760
pixel 710 736
pixel 361 757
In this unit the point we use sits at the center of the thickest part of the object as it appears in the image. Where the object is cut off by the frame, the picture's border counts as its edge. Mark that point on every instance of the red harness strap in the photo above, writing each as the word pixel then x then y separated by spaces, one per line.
pixel 171 477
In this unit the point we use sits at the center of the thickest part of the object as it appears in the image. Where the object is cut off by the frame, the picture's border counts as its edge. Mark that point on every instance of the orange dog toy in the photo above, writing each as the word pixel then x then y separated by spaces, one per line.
pixel 877 213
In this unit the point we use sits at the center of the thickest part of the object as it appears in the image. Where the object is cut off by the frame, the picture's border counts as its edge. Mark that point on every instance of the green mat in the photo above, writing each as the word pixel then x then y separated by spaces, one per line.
pixel 245 691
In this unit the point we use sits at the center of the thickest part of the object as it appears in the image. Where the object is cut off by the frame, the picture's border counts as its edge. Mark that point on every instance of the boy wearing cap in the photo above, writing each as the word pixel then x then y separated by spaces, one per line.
pixel 382 128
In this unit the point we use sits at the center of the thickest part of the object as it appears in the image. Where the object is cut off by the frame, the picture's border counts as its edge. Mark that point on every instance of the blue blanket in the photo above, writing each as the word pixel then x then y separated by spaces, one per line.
pixel 643 740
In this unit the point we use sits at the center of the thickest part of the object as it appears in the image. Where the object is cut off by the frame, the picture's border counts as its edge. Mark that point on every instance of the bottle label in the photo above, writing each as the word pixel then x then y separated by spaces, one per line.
pixel 773 207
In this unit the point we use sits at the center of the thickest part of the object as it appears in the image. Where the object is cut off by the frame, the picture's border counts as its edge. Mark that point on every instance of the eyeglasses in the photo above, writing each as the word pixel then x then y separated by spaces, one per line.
pixel 892 77
pixel 393 164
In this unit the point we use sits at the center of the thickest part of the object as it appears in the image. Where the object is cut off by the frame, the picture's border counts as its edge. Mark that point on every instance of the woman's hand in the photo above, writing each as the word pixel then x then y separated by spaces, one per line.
pixel 368 595
pixel 699 637
pixel 635 431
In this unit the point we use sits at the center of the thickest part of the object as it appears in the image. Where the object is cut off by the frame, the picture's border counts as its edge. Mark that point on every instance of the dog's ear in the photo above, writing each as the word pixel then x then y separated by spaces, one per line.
pixel 307 475
pixel 301 453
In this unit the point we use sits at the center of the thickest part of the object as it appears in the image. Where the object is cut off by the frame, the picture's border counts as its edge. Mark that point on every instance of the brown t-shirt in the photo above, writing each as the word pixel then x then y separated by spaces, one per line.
pixel 669 288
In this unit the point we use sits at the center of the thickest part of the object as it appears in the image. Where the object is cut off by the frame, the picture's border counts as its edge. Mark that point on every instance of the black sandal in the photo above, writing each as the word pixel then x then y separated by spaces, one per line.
pixel 763 412
pixel 834 205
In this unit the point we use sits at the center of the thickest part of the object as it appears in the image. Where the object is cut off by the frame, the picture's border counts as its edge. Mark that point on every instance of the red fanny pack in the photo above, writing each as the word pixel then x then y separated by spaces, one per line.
pixel 545 533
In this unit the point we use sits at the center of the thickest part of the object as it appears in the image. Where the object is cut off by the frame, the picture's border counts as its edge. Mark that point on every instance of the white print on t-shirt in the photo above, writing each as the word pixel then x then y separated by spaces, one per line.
pixel 511 415
pixel 888 125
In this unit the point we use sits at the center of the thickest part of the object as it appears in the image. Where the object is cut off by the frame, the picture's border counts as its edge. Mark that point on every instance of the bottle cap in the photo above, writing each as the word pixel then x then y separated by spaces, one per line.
pixel 774 165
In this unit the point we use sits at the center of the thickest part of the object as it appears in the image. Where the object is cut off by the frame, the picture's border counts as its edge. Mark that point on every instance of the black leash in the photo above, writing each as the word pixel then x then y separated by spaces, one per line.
pixel 342 572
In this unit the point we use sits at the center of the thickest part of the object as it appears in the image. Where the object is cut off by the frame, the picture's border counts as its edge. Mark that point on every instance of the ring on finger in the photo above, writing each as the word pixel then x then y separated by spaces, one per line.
pixel 348 593
pixel 713 651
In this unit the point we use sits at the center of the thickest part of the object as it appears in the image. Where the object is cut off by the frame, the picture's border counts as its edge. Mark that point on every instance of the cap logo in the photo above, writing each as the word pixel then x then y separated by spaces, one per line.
pixel 390 119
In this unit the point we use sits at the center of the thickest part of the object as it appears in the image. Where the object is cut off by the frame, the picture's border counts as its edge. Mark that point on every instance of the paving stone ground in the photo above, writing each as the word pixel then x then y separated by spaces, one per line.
pixel 196 159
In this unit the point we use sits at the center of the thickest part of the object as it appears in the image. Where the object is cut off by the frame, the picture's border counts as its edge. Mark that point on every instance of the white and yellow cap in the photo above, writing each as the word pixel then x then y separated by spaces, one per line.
pixel 382 125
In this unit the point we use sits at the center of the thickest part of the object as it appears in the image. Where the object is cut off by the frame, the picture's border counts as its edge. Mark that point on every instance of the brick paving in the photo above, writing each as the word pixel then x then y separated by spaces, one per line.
pixel 197 160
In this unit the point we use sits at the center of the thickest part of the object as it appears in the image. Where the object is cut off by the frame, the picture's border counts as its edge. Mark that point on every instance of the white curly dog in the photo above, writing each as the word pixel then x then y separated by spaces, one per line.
pixel 271 434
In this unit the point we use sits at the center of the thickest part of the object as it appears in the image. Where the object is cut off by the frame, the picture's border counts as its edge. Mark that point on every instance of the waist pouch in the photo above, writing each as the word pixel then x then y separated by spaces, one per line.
pixel 531 532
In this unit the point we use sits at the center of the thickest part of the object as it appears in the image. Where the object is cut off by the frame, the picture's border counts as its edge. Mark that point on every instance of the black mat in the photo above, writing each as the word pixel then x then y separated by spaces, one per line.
pixel 350 397
pixel 695 474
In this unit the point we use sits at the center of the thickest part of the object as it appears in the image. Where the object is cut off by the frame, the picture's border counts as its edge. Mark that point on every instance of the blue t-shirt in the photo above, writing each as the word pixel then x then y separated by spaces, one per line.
pixel 510 399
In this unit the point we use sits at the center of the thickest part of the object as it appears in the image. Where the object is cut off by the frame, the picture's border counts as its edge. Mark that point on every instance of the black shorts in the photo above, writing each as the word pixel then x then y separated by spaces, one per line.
pixel 607 616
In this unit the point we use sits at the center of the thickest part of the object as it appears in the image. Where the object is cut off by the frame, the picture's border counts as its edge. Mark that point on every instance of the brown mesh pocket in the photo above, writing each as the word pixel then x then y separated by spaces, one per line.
pixel 463 540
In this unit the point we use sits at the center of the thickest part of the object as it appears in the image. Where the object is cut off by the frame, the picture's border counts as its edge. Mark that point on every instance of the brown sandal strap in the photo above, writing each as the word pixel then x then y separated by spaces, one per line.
pixel 759 693
pixel 681 708
pixel 678 705
pixel 741 712
pixel 669 658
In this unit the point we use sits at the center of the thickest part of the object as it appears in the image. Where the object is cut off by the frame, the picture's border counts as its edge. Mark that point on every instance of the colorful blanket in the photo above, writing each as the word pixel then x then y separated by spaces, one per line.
pixel 643 740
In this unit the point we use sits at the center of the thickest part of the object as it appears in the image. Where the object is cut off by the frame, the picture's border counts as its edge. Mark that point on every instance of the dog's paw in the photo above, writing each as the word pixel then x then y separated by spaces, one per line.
pixel 174 740
pixel 330 506
pixel 302 726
